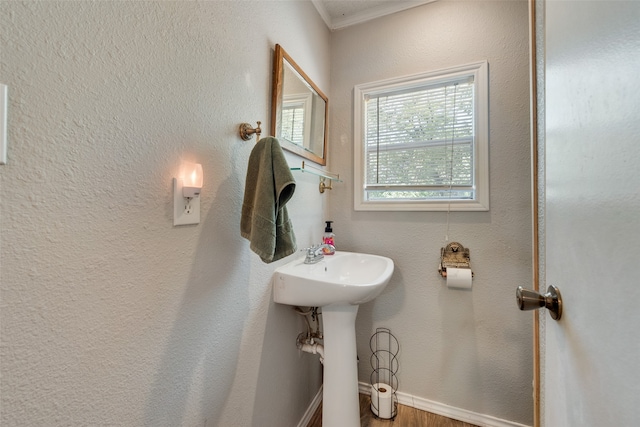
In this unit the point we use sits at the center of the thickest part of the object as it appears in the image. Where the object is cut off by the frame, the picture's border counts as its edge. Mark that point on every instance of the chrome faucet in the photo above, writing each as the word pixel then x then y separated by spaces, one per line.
pixel 316 253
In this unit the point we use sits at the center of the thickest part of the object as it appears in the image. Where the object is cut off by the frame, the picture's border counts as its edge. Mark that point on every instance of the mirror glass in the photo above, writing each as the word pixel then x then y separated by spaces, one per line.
pixel 299 110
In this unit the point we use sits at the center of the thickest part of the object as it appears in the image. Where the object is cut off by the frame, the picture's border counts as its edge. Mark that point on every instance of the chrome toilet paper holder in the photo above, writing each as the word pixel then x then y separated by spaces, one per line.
pixel 454 255
pixel 383 378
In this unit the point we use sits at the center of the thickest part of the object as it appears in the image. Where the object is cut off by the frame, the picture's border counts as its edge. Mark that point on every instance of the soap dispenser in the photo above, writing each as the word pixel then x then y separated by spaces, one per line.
pixel 328 238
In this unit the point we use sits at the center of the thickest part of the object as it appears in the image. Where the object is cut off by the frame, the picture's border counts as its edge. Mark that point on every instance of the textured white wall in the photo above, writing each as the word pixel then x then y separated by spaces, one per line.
pixel 110 315
pixel 470 350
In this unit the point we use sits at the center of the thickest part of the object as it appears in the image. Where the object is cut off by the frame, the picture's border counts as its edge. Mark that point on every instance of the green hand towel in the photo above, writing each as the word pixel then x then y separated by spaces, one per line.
pixel 269 186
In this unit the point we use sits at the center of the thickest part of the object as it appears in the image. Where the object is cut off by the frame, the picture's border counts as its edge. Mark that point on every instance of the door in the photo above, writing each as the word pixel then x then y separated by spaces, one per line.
pixel 591 356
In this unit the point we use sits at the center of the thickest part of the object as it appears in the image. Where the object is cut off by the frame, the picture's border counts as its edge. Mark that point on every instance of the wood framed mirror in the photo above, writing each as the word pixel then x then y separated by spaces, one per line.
pixel 299 110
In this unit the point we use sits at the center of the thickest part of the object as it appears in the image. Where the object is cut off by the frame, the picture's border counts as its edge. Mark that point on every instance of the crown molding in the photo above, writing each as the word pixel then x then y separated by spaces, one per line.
pixel 391 7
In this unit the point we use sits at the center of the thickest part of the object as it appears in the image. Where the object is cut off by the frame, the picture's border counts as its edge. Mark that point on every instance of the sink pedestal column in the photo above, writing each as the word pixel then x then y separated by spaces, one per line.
pixel 340 400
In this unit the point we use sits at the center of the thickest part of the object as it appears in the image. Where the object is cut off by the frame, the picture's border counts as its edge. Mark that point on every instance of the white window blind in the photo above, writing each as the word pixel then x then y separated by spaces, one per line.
pixel 421 143
pixel 293 123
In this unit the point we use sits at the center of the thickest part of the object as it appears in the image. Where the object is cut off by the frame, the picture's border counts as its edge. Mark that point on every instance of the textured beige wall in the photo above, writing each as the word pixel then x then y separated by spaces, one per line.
pixel 109 314
pixel 469 350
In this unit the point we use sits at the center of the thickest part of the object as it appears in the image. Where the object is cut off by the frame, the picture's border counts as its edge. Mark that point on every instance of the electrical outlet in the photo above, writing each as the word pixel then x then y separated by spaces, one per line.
pixel 185 210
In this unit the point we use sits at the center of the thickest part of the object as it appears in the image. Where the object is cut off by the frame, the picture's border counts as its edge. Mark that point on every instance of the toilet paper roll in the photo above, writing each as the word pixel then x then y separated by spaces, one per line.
pixel 382 400
pixel 459 278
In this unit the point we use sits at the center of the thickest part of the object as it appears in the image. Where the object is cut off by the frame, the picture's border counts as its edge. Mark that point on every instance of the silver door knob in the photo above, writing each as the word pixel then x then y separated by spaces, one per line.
pixel 532 300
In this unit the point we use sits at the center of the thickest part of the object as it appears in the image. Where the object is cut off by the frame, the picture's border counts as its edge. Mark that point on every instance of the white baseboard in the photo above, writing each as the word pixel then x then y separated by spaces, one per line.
pixel 311 409
pixel 446 410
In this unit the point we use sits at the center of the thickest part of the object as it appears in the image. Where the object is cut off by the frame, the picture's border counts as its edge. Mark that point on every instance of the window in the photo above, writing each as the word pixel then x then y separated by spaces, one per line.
pixel 296 118
pixel 421 142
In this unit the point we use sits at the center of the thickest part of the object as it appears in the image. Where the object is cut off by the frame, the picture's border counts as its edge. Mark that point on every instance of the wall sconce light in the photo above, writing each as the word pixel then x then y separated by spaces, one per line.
pixel 186 195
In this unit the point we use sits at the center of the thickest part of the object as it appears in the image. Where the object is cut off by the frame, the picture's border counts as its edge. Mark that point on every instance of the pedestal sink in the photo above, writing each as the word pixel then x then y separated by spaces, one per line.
pixel 338 284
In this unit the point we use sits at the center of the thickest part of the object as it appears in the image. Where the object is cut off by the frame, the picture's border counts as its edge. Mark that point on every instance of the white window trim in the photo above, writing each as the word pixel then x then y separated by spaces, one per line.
pixel 481 153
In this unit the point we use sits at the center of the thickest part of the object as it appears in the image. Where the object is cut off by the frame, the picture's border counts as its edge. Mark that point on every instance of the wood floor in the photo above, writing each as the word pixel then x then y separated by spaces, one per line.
pixel 407 417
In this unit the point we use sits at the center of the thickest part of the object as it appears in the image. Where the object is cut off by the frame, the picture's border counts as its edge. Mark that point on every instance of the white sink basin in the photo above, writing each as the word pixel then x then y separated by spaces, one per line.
pixel 344 277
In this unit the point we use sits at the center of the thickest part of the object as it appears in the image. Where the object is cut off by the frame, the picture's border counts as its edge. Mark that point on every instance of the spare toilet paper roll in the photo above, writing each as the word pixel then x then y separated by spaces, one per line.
pixel 459 278
pixel 382 400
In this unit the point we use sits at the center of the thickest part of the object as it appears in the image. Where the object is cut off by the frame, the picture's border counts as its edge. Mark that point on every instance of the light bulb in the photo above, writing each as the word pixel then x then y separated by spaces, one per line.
pixel 192 185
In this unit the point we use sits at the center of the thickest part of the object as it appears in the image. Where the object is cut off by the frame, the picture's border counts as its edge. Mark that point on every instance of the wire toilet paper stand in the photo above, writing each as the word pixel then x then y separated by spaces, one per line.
pixel 384 381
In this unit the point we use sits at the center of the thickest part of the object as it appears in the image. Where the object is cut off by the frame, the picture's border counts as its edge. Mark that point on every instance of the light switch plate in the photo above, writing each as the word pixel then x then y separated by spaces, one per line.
pixel 185 211
pixel 4 101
